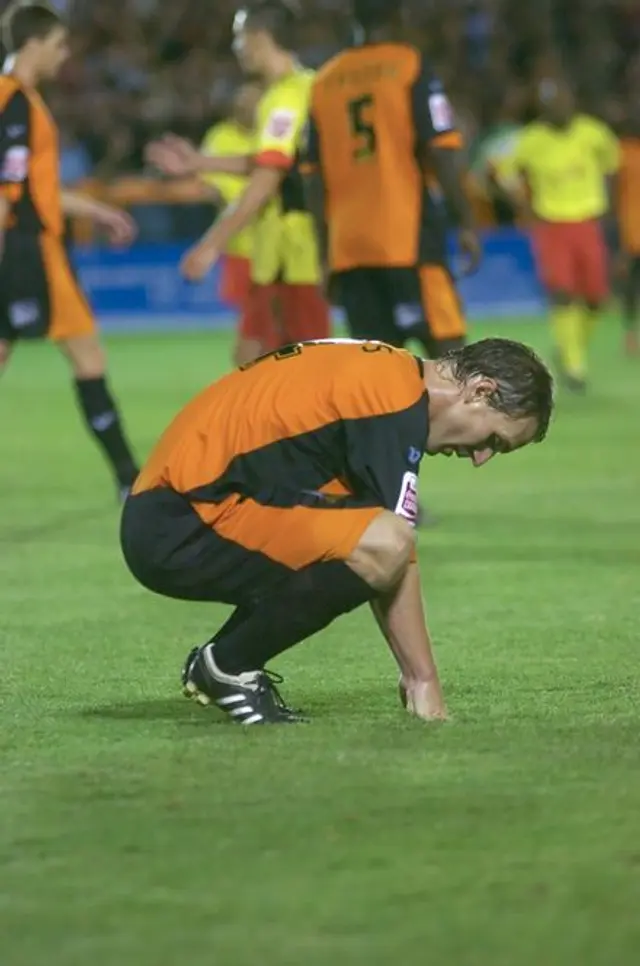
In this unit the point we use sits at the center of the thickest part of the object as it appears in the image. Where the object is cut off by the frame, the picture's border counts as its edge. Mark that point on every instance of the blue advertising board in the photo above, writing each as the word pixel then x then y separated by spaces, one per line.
pixel 141 288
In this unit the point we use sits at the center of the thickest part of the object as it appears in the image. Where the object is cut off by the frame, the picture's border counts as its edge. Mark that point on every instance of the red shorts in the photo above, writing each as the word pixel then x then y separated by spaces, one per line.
pixel 278 314
pixel 572 259
pixel 235 280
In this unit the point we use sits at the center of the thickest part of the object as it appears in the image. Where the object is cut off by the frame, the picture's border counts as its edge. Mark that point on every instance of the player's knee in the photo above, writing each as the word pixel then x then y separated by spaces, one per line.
pixel 384 552
pixel 246 351
pixel 560 298
pixel 86 356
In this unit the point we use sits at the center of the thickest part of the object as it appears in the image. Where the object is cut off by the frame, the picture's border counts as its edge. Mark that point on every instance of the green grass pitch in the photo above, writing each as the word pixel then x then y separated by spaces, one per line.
pixel 137 830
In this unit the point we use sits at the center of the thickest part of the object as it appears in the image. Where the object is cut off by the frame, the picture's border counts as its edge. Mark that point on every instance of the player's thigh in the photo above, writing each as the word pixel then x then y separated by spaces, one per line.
pixel 24 292
pixel 173 552
pixel 258 319
pixel 369 314
pixel 555 258
pixel 235 280
pixel 305 313
pixel 298 536
pixel 70 315
pixel 593 262
pixel 442 306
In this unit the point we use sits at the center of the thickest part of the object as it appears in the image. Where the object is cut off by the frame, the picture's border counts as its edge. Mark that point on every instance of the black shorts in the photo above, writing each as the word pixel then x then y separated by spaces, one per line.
pixel 39 294
pixel 170 551
pixel 397 304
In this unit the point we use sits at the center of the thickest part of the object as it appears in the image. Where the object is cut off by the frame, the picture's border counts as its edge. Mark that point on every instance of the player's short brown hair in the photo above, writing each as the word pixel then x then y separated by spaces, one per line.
pixel 278 18
pixel 22 22
pixel 524 385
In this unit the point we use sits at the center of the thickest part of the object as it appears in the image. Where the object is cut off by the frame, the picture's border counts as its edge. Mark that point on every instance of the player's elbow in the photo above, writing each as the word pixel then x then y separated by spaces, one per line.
pixel 384 552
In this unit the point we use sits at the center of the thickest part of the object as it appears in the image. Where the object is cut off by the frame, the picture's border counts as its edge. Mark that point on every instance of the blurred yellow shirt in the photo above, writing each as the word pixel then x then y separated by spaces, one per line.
pixel 285 243
pixel 225 139
pixel 566 169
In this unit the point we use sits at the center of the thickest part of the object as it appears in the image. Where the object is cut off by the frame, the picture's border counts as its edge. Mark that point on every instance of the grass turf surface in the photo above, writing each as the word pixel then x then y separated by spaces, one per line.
pixel 135 829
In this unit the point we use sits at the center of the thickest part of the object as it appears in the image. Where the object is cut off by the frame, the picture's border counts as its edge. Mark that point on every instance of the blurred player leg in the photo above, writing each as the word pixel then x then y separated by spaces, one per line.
pixel 557 263
pixel 363 296
pixel 630 300
pixel 258 331
pixel 88 364
pixel 305 313
pixel 446 324
pixel 235 286
pixel 594 270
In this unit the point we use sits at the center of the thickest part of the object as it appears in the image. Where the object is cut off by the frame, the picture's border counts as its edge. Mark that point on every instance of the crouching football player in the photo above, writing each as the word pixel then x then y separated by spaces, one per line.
pixel 288 490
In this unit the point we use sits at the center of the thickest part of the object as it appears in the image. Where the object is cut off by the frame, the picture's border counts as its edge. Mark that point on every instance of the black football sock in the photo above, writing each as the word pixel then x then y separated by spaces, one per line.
pixel 102 417
pixel 304 604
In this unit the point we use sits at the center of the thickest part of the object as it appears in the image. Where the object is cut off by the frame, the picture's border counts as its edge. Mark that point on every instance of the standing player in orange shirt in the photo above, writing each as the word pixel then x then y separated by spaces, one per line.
pixel 383 163
pixel 39 295
pixel 628 212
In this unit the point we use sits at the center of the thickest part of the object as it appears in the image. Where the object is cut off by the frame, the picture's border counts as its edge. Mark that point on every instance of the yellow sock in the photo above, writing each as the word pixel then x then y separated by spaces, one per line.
pixel 568 330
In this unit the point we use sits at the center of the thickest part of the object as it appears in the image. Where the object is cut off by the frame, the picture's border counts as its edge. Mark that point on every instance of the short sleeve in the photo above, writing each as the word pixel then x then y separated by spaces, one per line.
pixel 433 115
pixel 609 147
pixel 384 454
pixel 14 140
pixel 282 121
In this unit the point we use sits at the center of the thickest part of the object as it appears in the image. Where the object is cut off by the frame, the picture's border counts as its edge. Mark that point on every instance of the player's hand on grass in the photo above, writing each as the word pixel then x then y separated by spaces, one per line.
pixel 198 261
pixel 174 156
pixel 471 249
pixel 423 699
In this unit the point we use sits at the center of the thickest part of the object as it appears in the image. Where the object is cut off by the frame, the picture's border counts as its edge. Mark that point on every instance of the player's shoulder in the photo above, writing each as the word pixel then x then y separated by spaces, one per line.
pixel 390 376
pixel 588 124
pixel 9 88
pixel 410 56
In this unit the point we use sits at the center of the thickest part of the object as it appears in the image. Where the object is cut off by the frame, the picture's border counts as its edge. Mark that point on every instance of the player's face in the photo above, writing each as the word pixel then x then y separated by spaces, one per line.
pixel 53 51
pixel 250 47
pixel 472 429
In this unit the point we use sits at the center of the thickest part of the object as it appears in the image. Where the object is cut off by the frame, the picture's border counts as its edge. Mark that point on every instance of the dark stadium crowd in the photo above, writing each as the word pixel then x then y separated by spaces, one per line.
pixel 144 66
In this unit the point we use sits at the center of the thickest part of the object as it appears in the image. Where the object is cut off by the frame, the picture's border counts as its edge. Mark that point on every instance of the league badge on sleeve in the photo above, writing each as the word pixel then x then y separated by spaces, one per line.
pixel 281 124
pixel 407 505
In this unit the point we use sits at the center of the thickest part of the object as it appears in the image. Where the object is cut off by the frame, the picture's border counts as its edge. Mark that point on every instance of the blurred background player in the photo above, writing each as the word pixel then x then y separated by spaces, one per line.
pixel 287 303
pixel 234 137
pixel 383 201
pixel 39 295
pixel 628 213
pixel 563 161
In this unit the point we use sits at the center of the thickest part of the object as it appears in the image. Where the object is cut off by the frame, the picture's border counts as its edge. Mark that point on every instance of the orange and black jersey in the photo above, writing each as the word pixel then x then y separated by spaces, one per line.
pixel 29 161
pixel 375 112
pixel 307 425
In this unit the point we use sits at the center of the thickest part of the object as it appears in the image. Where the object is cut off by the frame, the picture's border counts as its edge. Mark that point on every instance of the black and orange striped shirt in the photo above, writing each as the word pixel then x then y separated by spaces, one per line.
pixel 375 112
pixel 29 160
pixel 303 426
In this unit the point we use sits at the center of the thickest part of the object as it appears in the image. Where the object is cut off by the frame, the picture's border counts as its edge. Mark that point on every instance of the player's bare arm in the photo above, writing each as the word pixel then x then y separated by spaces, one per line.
pixel 262 187
pixel 179 158
pixel 400 616
pixel 450 171
pixel 120 225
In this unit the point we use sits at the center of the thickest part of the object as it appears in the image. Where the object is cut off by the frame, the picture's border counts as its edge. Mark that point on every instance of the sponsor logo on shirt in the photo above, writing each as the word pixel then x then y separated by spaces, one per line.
pixel 441 112
pixel 407 505
pixel 281 124
pixel 16 164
